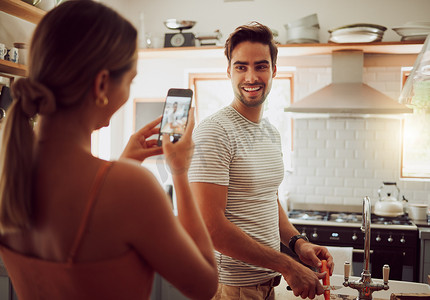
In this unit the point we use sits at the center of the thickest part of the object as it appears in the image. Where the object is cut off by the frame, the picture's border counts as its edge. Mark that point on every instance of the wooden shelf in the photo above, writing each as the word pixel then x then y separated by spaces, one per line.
pixel 22 10
pixel 12 68
pixel 288 50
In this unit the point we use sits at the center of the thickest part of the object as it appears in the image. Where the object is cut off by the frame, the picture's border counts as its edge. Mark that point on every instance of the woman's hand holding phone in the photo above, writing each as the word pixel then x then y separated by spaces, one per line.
pixel 178 155
pixel 139 147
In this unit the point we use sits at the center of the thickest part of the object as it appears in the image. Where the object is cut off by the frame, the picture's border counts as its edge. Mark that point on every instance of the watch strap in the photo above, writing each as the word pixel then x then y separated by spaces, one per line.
pixel 293 240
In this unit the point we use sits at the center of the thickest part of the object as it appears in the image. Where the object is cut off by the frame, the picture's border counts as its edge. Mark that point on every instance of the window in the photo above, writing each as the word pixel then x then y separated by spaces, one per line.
pixel 415 154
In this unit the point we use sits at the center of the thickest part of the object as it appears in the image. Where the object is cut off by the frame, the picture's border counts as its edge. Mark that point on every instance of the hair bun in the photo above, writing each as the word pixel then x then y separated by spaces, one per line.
pixel 34 96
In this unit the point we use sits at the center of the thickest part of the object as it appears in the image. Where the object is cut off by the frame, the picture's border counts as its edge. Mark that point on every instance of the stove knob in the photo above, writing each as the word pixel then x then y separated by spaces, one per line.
pixel 378 238
pixel 390 239
pixel 354 237
pixel 303 232
pixel 402 240
pixel 315 235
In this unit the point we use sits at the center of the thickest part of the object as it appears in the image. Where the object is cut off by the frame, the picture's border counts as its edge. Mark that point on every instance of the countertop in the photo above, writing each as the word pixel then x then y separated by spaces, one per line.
pixel 396 287
pixel 422 223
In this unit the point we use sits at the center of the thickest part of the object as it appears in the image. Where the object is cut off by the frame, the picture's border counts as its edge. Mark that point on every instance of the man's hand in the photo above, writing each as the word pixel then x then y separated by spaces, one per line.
pixel 303 281
pixel 312 255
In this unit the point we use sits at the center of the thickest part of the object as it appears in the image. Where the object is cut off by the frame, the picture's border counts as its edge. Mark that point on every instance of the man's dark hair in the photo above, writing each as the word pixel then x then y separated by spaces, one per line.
pixel 252 32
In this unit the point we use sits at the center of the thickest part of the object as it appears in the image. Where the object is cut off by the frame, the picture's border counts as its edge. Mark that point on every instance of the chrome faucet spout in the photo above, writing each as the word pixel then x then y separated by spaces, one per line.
pixel 365 227
pixel 365 286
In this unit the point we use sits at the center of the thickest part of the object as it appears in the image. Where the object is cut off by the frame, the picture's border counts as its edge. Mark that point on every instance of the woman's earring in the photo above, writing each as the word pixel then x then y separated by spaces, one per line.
pixel 102 101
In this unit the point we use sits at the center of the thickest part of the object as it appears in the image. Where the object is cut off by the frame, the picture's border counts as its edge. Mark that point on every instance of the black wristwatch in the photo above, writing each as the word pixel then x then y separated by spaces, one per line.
pixel 293 240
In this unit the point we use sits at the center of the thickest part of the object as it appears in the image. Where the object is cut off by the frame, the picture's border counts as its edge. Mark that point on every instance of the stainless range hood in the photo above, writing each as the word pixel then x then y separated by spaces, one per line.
pixel 347 94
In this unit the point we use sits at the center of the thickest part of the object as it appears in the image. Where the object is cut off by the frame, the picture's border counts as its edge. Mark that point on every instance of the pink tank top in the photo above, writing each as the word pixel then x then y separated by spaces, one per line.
pixel 125 277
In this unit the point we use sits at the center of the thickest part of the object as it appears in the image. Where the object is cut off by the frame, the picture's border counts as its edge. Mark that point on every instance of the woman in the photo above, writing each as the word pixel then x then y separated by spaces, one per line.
pixel 74 226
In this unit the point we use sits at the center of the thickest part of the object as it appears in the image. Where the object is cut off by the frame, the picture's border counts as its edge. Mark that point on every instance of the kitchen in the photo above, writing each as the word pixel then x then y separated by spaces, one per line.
pixel 330 177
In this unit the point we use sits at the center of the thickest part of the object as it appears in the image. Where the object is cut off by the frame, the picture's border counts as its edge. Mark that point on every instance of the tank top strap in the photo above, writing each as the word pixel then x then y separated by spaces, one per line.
pixel 94 192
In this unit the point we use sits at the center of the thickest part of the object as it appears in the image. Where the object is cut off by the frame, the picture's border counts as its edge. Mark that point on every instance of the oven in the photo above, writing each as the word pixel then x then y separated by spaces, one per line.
pixel 394 241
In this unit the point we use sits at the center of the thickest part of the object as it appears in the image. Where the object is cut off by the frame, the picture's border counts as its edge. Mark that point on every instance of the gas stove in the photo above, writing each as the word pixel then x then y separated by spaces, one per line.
pixel 349 219
pixel 393 241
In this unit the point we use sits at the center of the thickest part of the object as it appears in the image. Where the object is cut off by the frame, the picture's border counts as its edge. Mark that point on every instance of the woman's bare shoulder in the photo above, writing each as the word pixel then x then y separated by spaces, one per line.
pixel 127 176
pixel 137 199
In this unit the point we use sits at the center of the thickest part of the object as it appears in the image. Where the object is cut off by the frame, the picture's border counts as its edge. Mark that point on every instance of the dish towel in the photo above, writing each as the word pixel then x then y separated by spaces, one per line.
pixel 340 255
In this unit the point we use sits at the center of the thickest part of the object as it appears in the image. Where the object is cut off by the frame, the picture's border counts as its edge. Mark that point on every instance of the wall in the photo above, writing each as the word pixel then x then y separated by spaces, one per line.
pixel 217 14
pixel 341 160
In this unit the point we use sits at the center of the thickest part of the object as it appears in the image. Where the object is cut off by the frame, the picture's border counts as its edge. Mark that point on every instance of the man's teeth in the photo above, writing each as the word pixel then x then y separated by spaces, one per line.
pixel 251 89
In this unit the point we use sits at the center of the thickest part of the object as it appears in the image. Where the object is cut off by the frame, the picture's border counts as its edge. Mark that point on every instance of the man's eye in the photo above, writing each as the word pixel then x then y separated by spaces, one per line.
pixel 262 67
pixel 240 68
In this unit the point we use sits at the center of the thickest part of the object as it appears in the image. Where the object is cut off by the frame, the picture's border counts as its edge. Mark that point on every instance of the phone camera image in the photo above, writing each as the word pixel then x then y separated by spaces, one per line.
pixel 175 114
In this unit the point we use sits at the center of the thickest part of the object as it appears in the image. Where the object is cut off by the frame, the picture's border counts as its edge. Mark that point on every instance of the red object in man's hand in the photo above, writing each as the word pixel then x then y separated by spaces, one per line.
pixel 326 279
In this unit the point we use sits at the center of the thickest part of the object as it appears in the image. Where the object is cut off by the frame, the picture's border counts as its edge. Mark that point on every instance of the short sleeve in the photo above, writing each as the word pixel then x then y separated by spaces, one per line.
pixel 212 154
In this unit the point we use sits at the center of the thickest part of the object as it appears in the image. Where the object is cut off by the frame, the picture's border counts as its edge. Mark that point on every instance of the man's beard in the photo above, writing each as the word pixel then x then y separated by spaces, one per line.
pixel 251 103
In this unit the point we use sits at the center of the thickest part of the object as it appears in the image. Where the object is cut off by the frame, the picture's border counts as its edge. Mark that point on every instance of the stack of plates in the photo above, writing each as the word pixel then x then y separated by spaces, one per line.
pixel 413 31
pixel 357 33
pixel 304 30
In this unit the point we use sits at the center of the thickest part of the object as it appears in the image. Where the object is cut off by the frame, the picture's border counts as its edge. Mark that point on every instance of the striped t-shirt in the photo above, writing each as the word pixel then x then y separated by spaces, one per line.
pixel 232 151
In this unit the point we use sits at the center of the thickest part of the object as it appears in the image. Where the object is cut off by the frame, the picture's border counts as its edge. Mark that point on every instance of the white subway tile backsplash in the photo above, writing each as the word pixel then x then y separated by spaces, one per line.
pixel 324 190
pixel 345 134
pixel 315 181
pixel 386 76
pixel 364 173
pixel 317 124
pixel 344 154
pixel 357 144
pixel 354 163
pixel 373 124
pixel 341 160
pixel 306 189
pixel 354 182
pixel 326 152
pixel 336 144
pixel 316 162
pixel 354 124
pixel 343 192
pixel 342 172
pixel 334 181
pixel 319 144
pixel 306 153
pixel 305 171
pixel 373 164
pixel 325 172
pixel 364 135
pixel 336 124
pixel 325 134
pixel 335 163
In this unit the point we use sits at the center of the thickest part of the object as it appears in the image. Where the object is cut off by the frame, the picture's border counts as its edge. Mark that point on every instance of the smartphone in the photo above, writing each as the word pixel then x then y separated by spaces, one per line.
pixel 175 114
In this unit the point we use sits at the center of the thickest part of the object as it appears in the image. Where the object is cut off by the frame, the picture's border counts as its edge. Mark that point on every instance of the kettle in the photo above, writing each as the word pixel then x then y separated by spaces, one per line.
pixel 389 204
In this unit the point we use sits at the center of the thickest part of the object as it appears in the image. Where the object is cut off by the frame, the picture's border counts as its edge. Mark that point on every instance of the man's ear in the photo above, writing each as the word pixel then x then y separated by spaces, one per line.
pixel 228 71
pixel 101 84
pixel 274 71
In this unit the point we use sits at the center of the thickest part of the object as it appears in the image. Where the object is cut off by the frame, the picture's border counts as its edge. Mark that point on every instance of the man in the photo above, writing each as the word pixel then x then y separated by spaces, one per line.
pixel 235 174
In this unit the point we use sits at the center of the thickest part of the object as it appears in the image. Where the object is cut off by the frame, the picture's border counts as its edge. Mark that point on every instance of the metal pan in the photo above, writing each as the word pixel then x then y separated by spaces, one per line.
pixel 179 24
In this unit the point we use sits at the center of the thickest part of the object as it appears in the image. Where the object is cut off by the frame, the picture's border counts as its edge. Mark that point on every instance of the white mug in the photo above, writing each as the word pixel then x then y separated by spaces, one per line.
pixel 3 51
pixel 12 55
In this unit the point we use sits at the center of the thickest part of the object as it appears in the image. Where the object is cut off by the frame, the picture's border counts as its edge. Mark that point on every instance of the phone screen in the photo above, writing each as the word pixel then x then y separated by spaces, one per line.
pixel 175 113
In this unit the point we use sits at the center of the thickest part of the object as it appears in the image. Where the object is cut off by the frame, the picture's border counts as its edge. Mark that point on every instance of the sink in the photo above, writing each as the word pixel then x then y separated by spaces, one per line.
pixel 396 287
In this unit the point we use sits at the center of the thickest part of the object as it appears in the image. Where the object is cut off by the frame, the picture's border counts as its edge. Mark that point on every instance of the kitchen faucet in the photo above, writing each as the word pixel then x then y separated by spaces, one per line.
pixel 365 286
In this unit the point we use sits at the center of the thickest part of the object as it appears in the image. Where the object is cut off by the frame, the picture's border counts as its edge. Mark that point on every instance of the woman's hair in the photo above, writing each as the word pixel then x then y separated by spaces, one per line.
pixel 252 32
pixel 70 46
